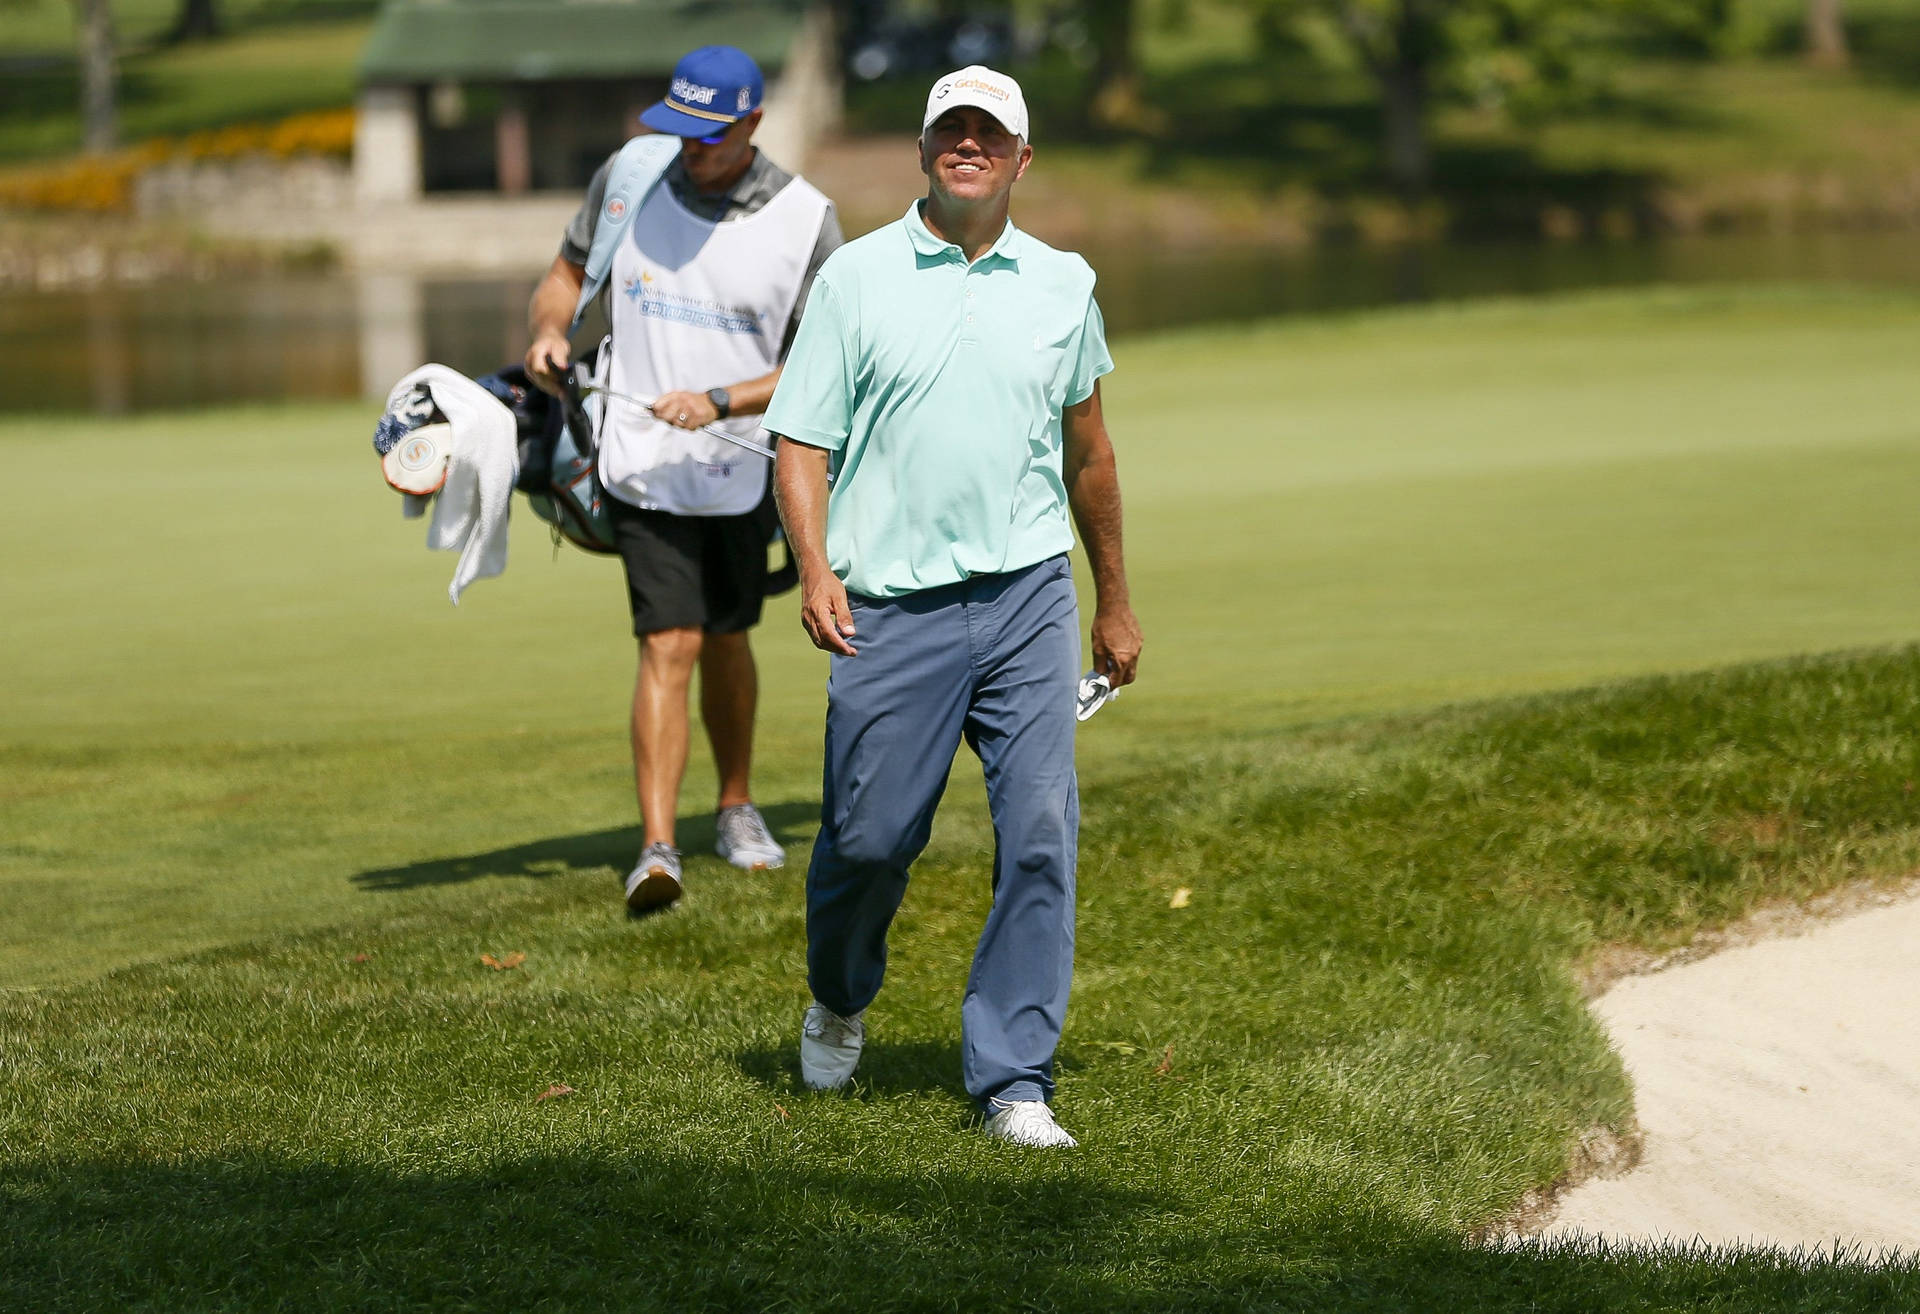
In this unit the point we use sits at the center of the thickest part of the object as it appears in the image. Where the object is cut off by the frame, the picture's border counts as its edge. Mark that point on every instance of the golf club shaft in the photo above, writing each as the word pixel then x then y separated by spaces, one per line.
pixel 712 429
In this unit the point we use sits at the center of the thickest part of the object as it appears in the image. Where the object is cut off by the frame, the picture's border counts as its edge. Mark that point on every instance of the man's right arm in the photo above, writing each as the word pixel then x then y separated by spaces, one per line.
pixel 550 313
pixel 800 489
pixel 815 401
pixel 549 316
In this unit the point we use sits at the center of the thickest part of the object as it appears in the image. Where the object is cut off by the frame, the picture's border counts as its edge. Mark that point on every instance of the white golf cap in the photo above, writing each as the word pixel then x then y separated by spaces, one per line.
pixel 983 88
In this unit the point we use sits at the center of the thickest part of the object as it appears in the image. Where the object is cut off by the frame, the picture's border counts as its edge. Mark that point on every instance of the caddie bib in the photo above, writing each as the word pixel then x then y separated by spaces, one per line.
pixel 696 305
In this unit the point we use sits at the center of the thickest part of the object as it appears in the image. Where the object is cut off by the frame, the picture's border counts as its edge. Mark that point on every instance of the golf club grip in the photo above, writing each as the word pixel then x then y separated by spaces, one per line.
pixel 573 400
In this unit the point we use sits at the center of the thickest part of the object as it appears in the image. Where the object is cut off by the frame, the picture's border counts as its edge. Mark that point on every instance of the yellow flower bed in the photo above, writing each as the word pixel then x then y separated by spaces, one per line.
pixel 104 183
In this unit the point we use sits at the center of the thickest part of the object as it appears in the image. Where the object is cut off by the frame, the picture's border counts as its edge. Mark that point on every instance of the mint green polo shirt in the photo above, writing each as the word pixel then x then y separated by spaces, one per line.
pixel 938 387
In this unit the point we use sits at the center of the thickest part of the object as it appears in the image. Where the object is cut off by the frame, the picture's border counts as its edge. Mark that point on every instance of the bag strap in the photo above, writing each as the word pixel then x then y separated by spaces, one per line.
pixel 640 164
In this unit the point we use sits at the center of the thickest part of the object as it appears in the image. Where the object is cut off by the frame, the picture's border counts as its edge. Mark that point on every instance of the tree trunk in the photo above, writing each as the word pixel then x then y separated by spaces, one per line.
pixel 198 19
pixel 97 76
pixel 1115 99
pixel 1826 34
pixel 1403 85
pixel 1406 75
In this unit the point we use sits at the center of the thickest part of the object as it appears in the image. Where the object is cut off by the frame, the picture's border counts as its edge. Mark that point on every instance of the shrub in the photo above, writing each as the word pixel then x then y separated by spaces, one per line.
pixel 105 183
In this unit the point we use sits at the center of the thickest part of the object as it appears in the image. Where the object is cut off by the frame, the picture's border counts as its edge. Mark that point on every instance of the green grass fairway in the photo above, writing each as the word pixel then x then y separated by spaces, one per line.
pixel 265 799
pixel 235 680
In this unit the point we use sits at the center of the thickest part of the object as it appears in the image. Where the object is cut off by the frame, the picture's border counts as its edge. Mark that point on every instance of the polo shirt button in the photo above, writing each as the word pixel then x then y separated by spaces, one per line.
pixel 969 319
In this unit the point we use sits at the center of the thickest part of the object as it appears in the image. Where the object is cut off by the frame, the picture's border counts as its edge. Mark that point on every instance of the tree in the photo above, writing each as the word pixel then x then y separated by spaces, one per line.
pixel 1114 101
pixel 98 74
pixel 1401 42
pixel 1826 34
pixel 1510 52
pixel 198 20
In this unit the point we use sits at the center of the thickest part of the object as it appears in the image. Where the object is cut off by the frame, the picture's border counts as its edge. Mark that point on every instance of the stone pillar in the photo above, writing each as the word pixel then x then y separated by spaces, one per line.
pixel 386 147
pixel 109 360
pixel 512 148
pixel 393 329
pixel 804 103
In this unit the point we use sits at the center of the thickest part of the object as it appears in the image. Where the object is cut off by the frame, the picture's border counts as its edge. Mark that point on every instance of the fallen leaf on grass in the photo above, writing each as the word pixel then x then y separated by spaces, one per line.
pixel 1180 897
pixel 506 964
pixel 553 1092
pixel 1166 1062
pixel 361 958
pixel 781 1110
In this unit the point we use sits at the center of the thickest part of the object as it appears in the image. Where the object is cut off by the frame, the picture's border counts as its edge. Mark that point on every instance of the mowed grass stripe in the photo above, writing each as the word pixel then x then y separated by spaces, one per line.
pixel 244 576
pixel 1446 587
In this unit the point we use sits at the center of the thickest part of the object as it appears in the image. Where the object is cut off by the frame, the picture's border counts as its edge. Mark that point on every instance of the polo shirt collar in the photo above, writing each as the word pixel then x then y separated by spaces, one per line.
pixel 753 189
pixel 1005 247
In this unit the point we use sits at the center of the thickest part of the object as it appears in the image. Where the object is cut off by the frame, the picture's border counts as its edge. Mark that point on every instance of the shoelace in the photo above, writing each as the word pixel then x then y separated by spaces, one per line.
pixel 744 826
pixel 832 1028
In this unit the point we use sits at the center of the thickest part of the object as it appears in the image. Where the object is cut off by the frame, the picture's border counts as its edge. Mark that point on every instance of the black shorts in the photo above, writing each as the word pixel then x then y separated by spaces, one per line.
pixel 683 571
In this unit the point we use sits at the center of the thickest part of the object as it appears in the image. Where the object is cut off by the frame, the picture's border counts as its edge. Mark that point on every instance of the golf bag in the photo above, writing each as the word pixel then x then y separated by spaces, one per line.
pixel 559 453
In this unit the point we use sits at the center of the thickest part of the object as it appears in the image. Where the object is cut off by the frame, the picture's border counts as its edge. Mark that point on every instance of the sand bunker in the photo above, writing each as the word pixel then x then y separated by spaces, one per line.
pixel 1778 1090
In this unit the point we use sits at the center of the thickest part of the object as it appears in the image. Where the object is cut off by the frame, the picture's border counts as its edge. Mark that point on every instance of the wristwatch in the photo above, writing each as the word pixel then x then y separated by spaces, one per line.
pixel 722 401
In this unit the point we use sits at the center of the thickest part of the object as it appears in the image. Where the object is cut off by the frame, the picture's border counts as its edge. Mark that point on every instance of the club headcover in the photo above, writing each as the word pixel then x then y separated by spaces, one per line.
pixel 418 462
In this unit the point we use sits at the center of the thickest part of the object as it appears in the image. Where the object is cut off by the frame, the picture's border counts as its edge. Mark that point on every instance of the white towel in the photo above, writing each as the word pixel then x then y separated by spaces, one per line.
pixel 470 510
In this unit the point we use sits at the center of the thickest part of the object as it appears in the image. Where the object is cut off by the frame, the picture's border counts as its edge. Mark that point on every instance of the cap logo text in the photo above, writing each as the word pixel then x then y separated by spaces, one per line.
pixel 975 84
pixel 693 93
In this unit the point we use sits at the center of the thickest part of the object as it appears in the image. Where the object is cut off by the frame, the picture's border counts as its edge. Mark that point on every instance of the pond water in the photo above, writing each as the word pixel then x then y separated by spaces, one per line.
pixel 117 350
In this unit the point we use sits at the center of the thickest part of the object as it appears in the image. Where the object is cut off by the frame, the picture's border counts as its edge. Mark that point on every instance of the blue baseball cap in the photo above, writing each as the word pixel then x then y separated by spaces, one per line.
pixel 713 88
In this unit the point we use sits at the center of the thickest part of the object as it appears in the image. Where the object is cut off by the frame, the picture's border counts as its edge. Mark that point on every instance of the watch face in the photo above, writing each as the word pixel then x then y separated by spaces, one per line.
pixel 721 400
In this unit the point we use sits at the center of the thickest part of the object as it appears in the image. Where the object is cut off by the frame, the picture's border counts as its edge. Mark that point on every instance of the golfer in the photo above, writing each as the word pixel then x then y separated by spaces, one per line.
pixel 704 294
pixel 947 373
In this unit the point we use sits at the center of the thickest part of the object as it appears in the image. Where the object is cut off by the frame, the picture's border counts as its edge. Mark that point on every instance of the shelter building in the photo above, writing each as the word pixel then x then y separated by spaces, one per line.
pixel 510 96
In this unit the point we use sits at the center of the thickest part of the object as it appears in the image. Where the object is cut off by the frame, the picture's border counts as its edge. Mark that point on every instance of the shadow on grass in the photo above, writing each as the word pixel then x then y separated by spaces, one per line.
pixel 572 855
pixel 886 1068
pixel 1887 46
pixel 633 1228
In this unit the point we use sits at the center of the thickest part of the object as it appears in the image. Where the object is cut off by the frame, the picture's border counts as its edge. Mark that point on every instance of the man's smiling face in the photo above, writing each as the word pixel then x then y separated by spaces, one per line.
pixel 970 157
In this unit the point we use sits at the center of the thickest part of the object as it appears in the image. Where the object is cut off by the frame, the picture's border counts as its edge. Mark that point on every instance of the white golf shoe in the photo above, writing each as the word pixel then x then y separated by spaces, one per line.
pixel 829 1047
pixel 654 881
pixel 1026 1122
pixel 742 838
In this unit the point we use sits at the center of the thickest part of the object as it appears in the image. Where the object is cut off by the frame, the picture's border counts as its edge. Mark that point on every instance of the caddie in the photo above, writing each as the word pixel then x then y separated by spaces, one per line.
pixel 705 287
pixel 947 373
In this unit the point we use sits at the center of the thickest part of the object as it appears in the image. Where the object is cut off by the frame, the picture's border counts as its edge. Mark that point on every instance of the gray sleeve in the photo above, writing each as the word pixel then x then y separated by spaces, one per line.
pixel 579 239
pixel 829 241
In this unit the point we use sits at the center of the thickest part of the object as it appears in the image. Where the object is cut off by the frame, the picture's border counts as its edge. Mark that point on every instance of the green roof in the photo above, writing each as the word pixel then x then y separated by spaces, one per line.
pixel 543 40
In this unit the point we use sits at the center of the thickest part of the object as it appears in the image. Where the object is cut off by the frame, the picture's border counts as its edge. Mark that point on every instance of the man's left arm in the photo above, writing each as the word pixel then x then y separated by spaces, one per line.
pixel 1093 493
pixel 752 396
pixel 748 397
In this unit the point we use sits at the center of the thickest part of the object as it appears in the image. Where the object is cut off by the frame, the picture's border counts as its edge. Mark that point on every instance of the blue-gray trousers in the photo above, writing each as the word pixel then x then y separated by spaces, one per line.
pixel 994 658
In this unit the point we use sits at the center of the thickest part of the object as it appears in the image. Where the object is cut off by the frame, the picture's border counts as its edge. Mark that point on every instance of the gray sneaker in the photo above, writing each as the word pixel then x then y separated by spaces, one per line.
pixel 654 881
pixel 742 838
pixel 829 1047
pixel 1026 1122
